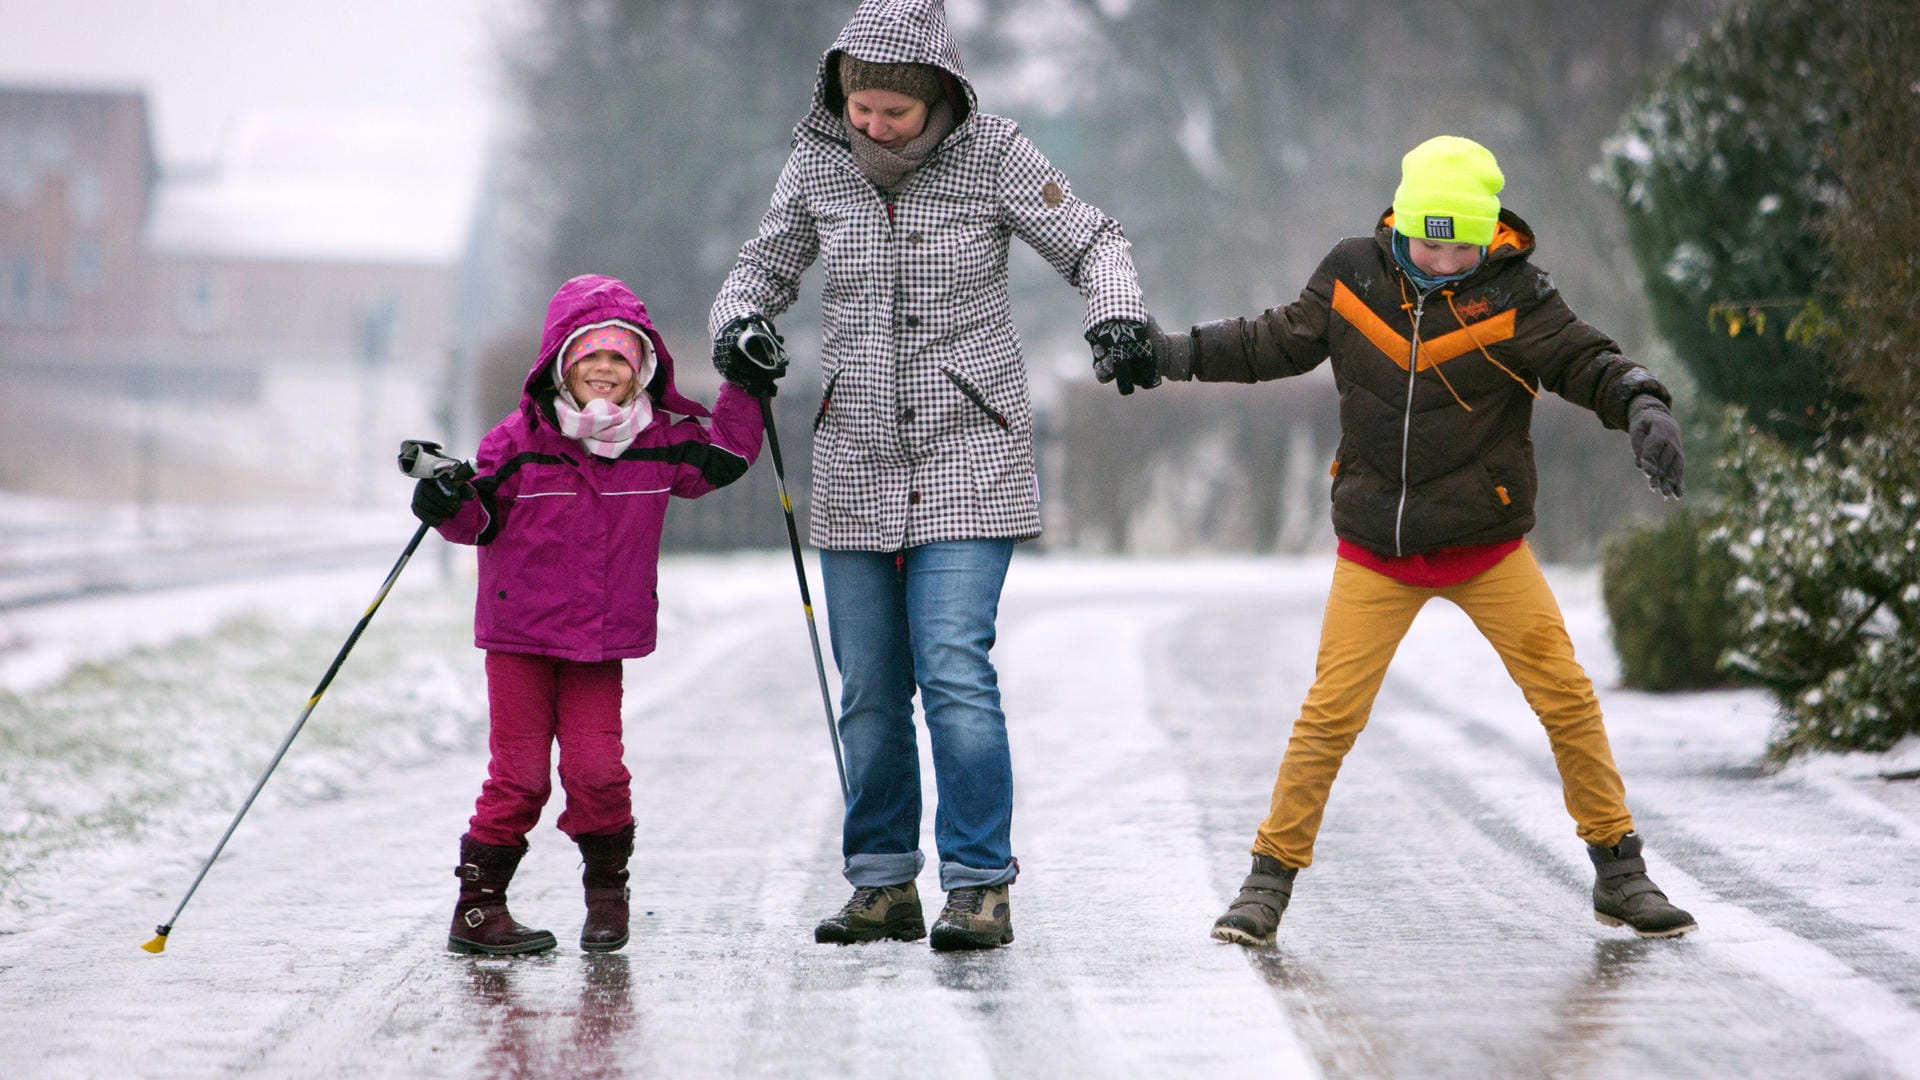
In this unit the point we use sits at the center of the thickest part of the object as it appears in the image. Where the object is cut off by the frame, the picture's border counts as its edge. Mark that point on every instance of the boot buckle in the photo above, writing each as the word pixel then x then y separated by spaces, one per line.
pixel 469 871
pixel 474 917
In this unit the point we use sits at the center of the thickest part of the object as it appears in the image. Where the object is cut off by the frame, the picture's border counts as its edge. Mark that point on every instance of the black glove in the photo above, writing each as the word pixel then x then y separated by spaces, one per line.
pixel 437 499
pixel 1172 353
pixel 1655 435
pixel 1123 355
pixel 743 371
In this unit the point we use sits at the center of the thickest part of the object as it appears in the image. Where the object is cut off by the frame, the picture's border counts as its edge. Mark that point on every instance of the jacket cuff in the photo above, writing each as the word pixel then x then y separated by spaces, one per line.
pixel 1619 396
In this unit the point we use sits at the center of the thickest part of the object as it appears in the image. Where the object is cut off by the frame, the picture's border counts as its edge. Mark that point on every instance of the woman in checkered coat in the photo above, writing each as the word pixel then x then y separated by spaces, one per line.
pixel 923 470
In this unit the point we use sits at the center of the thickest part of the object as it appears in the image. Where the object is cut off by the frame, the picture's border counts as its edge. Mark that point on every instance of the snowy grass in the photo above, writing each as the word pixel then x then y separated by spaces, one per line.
pixel 166 740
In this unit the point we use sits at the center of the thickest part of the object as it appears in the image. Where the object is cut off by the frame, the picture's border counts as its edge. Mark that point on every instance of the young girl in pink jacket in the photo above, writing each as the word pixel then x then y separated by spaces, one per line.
pixel 566 507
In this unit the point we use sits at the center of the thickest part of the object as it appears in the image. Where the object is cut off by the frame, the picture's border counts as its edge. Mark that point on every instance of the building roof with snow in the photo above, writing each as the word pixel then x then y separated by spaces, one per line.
pixel 330 185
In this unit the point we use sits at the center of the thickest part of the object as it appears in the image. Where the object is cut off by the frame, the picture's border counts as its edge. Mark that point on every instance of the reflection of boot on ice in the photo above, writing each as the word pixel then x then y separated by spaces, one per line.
pixel 512 1028
pixel 606 1012
pixel 605 879
pixel 481 921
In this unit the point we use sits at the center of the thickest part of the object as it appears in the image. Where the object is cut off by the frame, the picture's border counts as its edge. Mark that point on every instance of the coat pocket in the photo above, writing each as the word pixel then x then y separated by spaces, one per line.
pixel 979 400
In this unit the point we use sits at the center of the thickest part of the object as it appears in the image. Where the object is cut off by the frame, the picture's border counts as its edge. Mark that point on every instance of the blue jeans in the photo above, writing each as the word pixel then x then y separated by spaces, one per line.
pixel 922 617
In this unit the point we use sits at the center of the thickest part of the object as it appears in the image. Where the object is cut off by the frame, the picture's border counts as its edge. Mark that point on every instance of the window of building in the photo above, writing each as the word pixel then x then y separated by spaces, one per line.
pixel 52 148
pixel 86 197
pixel 16 165
pixel 16 292
pixel 57 306
pixel 198 301
pixel 89 271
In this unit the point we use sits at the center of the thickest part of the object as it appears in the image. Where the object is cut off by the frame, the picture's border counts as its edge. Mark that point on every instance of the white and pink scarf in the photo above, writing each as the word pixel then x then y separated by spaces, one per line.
pixel 605 428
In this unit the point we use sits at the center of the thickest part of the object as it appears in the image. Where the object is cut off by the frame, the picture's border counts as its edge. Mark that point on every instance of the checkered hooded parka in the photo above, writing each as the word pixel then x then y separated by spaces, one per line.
pixel 925 432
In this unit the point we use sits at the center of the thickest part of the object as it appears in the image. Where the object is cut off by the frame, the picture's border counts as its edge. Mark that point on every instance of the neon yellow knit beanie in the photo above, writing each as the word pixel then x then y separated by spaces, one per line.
pixel 1449 191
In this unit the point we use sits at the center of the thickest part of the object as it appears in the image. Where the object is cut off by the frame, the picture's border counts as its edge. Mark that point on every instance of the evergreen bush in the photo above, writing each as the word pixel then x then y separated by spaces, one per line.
pixel 1828 550
pixel 1666 594
pixel 1725 174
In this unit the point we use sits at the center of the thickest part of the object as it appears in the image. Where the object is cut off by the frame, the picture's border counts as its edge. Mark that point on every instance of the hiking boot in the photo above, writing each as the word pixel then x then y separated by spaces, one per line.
pixel 1253 918
pixel 876 913
pixel 481 921
pixel 1623 895
pixel 605 881
pixel 976 917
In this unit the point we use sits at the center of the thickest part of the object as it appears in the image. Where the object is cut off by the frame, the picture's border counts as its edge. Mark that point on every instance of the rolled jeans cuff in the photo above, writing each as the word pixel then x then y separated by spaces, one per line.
pixel 953 876
pixel 890 869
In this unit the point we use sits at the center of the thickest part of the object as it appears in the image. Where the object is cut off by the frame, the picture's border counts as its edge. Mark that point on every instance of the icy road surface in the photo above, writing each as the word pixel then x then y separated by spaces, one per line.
pixel 1444 930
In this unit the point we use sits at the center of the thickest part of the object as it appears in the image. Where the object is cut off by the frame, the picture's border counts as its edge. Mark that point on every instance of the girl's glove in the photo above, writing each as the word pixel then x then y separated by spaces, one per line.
pixel 436 500
pixel 1655 436
pixel 1122 355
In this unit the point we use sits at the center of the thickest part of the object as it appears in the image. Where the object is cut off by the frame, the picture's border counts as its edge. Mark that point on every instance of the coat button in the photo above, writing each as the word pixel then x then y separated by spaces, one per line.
pixel 906 415
pixel 913 320
pixel 913 498
pixel 913 238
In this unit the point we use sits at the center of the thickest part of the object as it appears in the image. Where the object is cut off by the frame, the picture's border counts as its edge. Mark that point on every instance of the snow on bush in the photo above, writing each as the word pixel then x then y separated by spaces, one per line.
pixel 1828 550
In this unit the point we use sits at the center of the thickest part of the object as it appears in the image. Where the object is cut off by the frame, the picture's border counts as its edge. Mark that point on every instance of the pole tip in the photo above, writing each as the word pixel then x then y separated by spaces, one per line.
pixel 159 943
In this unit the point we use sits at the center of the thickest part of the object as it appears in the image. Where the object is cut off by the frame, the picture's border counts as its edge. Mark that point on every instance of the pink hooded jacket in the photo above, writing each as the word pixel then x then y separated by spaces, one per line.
pixel 570 542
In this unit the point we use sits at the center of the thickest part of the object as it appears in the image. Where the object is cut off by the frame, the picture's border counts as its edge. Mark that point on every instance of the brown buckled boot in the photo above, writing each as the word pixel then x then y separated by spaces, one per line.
pixel 1623 894
pixel 605 879
pixel 481 921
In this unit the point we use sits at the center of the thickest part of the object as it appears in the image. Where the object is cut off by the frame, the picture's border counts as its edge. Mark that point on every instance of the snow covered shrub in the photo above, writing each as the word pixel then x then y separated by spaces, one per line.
pixel 1828 550
pixel 1666 593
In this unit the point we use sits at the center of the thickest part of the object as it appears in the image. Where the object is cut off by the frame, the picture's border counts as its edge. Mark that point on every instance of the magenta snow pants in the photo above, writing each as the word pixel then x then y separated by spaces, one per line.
pixel 535 701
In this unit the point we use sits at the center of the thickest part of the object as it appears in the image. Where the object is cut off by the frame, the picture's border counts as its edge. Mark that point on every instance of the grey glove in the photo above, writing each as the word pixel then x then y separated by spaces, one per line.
pixel 1655 436
pixel 1172 353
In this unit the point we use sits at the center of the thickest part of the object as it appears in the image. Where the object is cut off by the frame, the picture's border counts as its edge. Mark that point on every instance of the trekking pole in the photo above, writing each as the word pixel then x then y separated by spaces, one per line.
pixel 418 459
pixel 763 348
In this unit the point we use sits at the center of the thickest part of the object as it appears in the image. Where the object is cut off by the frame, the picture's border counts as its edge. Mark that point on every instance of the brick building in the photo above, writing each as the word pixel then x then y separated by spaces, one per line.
pixel 283 318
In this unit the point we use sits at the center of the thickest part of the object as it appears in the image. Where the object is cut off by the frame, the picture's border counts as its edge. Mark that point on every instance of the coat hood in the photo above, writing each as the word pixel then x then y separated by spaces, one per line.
pixel 889 32
pixel 590 300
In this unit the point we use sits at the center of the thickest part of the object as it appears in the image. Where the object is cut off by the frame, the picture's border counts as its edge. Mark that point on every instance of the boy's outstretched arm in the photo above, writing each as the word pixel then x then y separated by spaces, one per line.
pixel 1279 342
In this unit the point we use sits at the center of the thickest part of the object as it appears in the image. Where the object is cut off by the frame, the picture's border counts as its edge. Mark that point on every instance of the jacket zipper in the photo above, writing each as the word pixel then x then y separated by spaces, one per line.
pixel 826 399
pixel 1406 422
pixel 974 396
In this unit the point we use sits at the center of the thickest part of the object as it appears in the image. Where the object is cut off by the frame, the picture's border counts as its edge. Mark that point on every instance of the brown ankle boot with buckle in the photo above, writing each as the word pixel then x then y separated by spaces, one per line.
pixel 481 921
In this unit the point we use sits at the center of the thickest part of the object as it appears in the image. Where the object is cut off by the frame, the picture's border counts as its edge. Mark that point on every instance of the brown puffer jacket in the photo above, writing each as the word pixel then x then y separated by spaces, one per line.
pixel 1436 390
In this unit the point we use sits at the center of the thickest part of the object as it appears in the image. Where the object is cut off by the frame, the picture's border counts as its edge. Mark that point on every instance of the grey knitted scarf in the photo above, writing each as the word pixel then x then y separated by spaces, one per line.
pixel 891 169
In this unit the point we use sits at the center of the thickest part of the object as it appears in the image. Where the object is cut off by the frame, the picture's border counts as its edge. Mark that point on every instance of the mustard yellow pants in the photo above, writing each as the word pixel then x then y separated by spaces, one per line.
pixel 1367 615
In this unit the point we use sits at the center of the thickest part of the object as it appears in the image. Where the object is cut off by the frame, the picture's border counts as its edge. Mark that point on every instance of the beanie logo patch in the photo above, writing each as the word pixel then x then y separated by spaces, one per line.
pixel 1439 226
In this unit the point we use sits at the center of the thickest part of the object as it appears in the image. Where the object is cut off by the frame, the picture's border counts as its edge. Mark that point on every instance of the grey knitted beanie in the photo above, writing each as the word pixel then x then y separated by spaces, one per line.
pixel 914 80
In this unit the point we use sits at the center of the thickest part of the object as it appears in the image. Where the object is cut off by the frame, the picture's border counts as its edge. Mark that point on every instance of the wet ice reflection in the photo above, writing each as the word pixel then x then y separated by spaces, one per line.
pixel 531 1031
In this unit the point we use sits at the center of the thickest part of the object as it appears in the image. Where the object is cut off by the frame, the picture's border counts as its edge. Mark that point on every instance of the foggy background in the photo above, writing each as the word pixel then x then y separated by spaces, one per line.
pixel 246 248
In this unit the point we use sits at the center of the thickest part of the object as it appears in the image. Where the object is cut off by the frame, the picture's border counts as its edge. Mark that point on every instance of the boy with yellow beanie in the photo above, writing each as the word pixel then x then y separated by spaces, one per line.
pixel 1442 333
